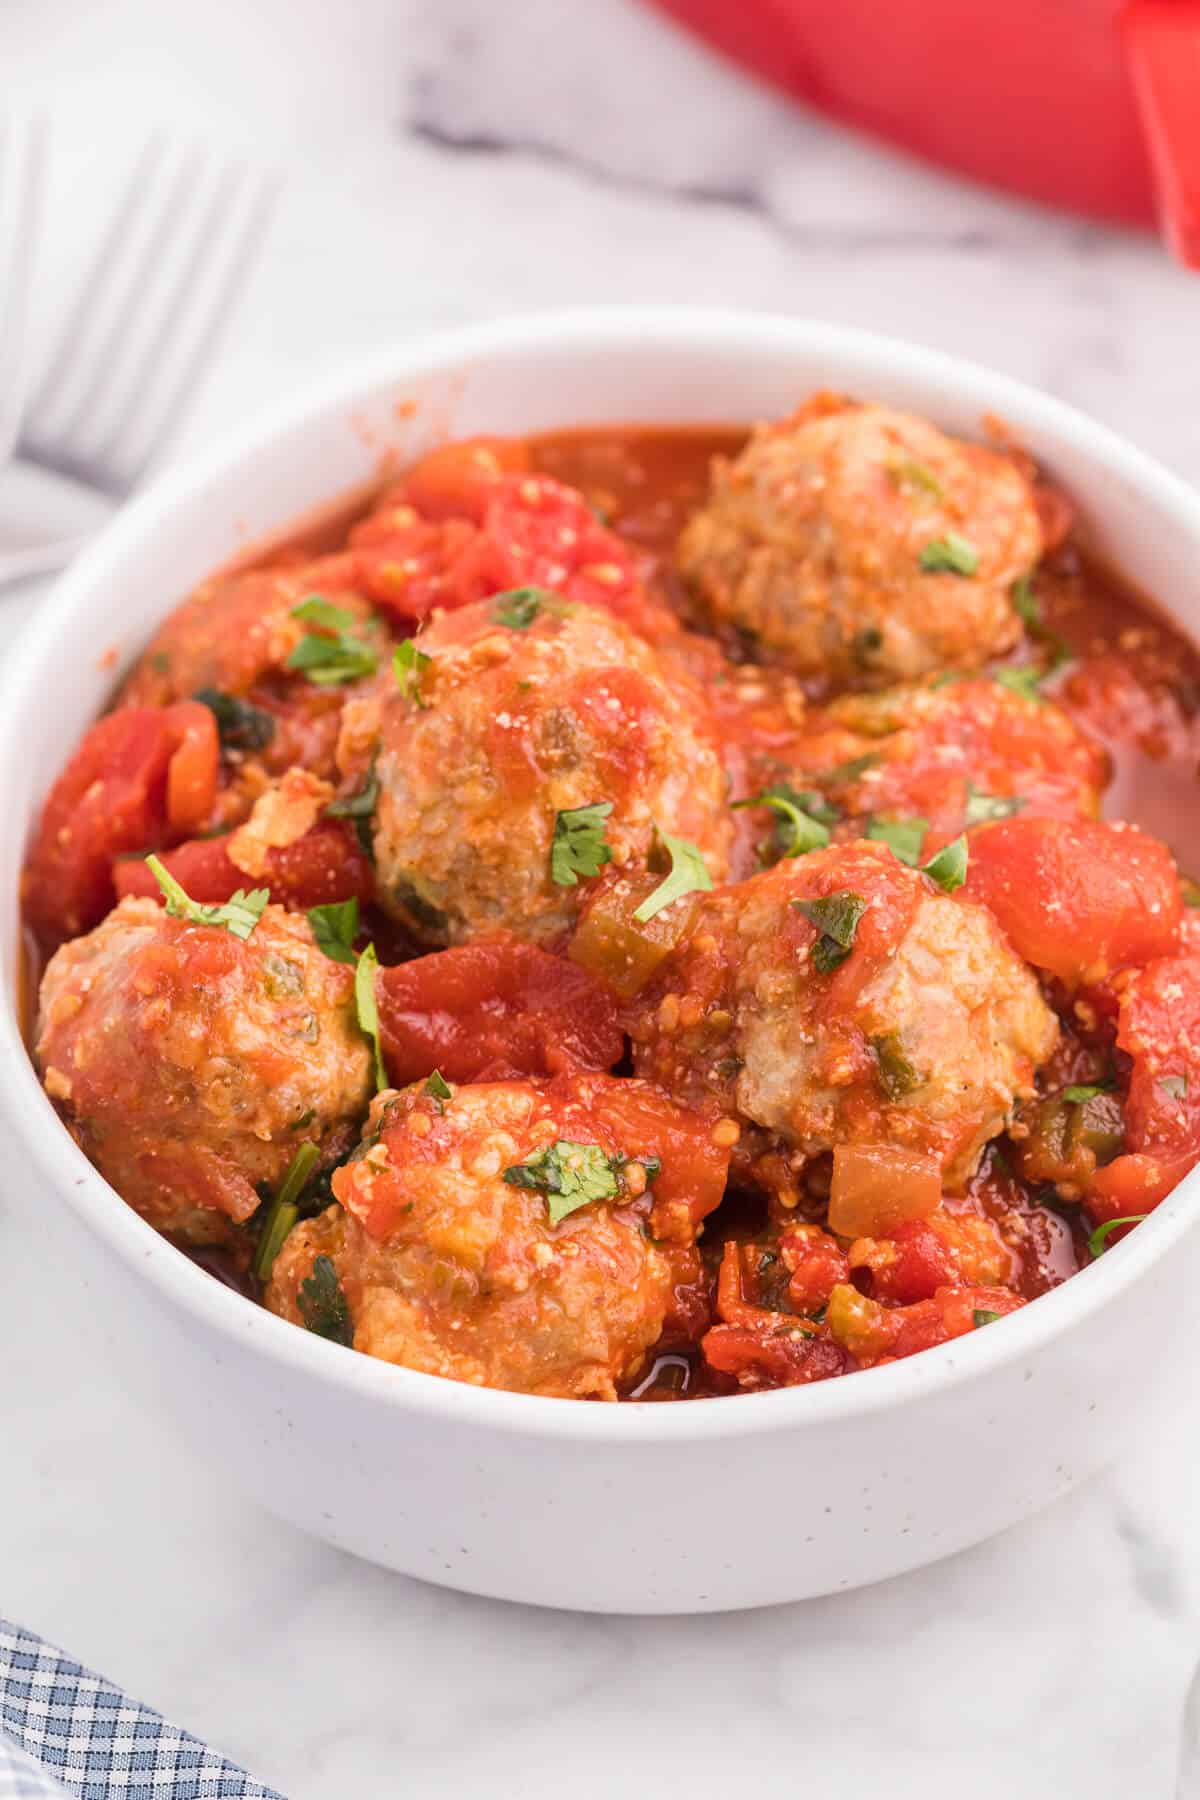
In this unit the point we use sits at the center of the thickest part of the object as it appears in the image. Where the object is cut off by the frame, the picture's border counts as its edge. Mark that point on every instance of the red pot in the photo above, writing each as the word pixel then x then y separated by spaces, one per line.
pixel 1088 104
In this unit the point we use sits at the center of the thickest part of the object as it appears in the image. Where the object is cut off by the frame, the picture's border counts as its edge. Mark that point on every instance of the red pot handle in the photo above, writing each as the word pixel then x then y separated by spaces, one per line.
pixel 1162 45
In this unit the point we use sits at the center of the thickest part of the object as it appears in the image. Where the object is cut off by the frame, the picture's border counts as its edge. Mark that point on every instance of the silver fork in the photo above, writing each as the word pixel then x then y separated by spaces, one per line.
pixel 132 348
pixel 22 180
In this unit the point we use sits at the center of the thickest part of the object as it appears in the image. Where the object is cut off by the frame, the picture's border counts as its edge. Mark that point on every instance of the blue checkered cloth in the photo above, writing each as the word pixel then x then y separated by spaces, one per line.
pixel 64 1731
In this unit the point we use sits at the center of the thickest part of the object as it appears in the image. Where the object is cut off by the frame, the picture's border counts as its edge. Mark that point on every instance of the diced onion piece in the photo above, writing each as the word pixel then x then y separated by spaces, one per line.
pixel 878 1187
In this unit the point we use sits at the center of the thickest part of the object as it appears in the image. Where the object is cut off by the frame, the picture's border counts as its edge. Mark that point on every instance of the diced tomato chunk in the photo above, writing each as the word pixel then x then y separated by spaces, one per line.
pixel 493 1009
pixel 522 531
pixel 1077 897
pixel 456 481
pixel 1159 1027
pixel 323 866
pixel 140 777
pixel 871 1332
pixel 1135 1184
pixel 775 1355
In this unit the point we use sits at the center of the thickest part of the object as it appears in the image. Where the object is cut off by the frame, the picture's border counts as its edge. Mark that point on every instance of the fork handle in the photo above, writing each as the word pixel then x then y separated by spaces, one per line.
pixel 39 559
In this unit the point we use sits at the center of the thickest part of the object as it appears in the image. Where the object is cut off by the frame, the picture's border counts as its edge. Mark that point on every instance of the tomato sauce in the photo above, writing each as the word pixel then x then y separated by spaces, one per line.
pixel 1125 675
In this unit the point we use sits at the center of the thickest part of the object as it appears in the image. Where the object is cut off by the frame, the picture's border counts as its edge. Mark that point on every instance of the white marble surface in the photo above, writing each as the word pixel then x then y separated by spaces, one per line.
pixel 453 160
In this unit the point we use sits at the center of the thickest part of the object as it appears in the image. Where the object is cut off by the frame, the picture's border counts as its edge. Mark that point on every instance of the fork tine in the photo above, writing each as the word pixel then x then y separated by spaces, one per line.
pixel 66 358
pixel 196 309
pixel 93 355
pixel 22 190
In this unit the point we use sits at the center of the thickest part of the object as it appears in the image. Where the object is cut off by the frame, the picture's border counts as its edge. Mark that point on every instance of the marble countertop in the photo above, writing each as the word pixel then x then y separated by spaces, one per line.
pixel 448 161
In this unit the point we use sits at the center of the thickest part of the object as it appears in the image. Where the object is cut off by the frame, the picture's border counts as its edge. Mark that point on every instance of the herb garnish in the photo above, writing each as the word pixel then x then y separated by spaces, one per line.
pixel 1028 609
pixel 983 808
pixel 335 928
pixel 949 555
pixel 570 1175
pixel 359 808
pixel 408 666
pixel 1024 681
pixel 1098 1242
pixel 843 772
pixel 982 1316
pixel 1080 1094
pixel 897 1076
pixel 578 846
pixel 903 837
pixel 689 875
pixel 836 917
pixel 519 607
pixel 798 828
pixel 949 867
pixel 240 726
pixel 368 1011
pixel 322 1304
pixel 333 653
pixel 437 1089
pixel 908 472
pixel 283 1210
pixel 237 915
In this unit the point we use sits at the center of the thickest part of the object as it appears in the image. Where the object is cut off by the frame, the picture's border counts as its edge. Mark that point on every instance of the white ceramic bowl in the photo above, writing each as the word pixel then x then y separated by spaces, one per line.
pixel 661 1508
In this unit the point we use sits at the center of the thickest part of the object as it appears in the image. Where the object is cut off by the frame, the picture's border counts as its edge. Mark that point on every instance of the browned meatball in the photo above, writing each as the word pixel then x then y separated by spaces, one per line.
pixel 466 1243
pixel 191 1065
pixel 237 630
pixel 863 544
pixel 844 998
pixel 512 730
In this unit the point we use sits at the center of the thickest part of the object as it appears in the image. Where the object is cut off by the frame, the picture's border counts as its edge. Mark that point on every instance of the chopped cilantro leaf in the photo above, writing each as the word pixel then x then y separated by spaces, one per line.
pixel 903 837
pixel 689 875
pixel 844 772
pixel 333 653
pixel 237 915
pixel 368 1011
pixel 797 830
pixel 949 867
pixel 1080 1094
pixel 570 1175
pixel 323 614
pixel 335 928
pixel 322 1304
pixel 982 1316
pixel 1098 1242
pixel 983 808
pixel 359 808
pixel 949 555
pixel 578 846
pixel 1025 602
pixel 1024 681
pixel 438 1089
pixel 240 726
pixel 910 473
pixel 408 666
pixel 897 1076
pixel 283 1209
pixel 836 917
pixel 519 607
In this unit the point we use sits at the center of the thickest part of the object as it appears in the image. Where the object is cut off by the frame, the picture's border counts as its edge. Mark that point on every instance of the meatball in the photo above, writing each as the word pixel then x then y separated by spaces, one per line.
pixel 535 721
pixel 190 1065
pixel 235 631
pixel 950 754
pixel 498 1234
pixel 862 544
pixel 840 998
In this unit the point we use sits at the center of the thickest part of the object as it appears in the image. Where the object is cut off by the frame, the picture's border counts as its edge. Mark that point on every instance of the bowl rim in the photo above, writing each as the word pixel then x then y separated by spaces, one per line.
pixel 227 1315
